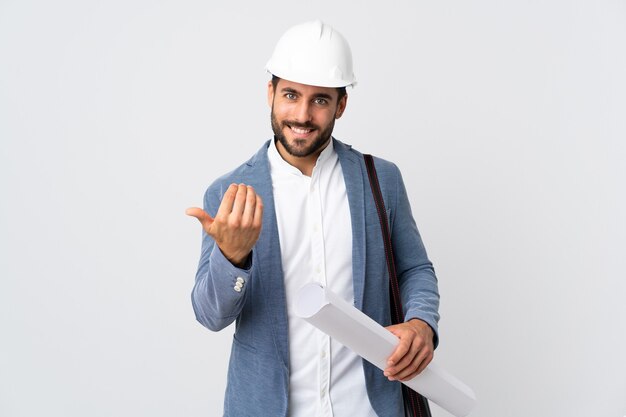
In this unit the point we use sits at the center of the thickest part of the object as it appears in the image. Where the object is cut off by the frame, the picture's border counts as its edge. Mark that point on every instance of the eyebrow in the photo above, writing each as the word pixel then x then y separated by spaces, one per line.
pixel 289 90
pixel 296 92
pixel 324 95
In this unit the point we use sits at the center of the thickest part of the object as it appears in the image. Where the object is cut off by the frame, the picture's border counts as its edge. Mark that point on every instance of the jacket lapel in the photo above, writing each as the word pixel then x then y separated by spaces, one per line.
pixel 353 176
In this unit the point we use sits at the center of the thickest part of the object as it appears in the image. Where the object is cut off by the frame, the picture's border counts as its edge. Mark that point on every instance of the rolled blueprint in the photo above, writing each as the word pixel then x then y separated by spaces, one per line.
pixel 357 331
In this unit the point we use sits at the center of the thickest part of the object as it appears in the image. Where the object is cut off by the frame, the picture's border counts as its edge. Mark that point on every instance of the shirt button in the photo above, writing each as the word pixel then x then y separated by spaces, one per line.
pixel 323 354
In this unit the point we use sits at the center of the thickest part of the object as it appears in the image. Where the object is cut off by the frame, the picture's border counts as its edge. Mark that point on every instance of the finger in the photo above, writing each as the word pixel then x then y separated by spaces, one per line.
pixel 406 368
pixel 248 212
pixel 226 206
pixel 240 202
pixel 418 365
pixel 258 212
pixel 403 366
pixel 400 350
pixel 203 217
pixel 198 213
pixel 425 363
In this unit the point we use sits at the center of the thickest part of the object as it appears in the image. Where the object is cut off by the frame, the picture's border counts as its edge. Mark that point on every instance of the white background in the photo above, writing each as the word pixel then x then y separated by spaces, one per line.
pixel 507 119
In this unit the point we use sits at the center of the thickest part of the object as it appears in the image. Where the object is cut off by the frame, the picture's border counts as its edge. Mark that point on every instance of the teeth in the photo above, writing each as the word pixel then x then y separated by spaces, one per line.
pixel 301 131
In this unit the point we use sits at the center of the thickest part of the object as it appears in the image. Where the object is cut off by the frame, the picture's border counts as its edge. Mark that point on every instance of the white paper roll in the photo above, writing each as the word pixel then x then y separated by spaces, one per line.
pixel 352 328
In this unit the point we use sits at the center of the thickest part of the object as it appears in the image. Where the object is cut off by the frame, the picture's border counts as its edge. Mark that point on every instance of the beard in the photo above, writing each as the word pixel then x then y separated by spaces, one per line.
pixel 299 147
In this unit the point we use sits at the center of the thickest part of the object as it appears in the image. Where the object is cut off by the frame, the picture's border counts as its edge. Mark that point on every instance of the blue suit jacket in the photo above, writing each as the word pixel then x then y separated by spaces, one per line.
pixel 258 374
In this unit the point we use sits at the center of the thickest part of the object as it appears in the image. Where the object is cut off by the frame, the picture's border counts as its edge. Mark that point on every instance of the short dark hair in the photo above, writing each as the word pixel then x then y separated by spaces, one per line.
pixel 341 91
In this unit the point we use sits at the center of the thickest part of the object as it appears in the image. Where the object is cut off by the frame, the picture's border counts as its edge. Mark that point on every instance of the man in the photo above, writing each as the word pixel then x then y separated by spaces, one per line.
pixel 299 211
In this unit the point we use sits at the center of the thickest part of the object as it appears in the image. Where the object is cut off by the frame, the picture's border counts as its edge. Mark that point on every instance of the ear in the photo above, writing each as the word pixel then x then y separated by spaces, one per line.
pixel 341 106
pixel 270 93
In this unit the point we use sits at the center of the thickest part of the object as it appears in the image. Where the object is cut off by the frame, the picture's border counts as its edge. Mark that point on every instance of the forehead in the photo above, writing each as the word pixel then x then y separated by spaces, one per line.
pixel 305 89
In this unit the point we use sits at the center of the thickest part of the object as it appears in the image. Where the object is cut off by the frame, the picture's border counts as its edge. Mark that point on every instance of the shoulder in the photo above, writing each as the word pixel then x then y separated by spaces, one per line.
pixel 253 167
pixel 385 170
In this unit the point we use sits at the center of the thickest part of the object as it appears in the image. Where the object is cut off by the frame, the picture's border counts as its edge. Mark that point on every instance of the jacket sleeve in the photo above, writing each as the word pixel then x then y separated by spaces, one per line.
pixel 416 275
pixel 215 298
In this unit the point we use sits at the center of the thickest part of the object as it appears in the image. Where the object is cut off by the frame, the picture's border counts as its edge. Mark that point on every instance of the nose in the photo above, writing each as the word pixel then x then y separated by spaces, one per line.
pixel 303 112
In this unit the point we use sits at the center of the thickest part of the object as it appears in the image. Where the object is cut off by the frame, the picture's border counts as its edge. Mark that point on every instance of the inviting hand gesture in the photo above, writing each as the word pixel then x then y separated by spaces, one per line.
pixel 237 224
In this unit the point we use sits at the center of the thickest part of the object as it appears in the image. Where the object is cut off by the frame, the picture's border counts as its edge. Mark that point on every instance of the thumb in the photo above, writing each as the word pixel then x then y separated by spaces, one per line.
pixel 202 216
pixel 393 329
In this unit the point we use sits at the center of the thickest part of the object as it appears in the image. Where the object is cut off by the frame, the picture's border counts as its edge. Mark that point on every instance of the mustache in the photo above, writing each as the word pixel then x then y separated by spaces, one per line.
pixel 307 125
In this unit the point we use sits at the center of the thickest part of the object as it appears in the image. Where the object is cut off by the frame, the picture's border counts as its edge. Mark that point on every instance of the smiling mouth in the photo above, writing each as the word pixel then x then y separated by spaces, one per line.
pixel 300 131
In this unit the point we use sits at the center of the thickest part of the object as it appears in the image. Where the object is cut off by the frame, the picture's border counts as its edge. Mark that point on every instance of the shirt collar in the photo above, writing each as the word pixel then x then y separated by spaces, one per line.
pixel 277 162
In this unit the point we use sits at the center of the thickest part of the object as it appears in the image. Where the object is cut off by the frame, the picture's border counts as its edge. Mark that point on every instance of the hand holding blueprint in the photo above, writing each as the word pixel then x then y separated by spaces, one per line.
pixel 345 323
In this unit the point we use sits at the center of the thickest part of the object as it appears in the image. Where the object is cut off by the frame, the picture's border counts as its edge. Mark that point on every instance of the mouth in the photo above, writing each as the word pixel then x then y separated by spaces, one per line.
pixel 300 131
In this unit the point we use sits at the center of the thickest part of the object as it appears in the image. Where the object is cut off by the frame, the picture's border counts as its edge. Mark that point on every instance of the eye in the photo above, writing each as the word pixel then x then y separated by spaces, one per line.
pixel 290 96
pixel 321 101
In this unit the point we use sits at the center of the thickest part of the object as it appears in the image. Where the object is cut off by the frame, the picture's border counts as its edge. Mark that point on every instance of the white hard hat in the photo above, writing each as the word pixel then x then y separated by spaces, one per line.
pixel 313 53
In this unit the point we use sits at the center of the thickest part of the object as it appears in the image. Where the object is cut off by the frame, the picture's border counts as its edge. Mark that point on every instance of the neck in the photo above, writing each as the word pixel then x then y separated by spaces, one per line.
pixel 304 163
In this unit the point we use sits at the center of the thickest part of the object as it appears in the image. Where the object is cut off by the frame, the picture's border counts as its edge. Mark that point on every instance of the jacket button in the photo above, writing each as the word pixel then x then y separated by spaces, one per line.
pixel 238 289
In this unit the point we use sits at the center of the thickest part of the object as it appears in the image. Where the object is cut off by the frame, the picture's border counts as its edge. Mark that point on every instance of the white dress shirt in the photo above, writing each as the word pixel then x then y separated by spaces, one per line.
pixel 315 234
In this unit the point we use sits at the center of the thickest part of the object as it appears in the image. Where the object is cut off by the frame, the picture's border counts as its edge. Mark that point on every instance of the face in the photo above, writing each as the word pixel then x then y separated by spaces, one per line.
pixel 303 116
